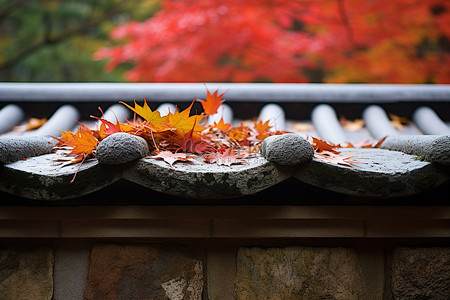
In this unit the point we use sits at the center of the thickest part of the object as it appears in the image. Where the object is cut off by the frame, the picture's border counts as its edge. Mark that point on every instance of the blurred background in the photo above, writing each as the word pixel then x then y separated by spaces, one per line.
pixel 324 41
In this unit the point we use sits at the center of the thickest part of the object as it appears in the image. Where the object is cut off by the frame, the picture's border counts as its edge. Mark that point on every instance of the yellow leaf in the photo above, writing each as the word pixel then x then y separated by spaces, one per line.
pixel 154 119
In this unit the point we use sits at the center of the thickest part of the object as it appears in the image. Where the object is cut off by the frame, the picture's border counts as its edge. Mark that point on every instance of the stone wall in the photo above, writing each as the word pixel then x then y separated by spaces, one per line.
pixel 224 269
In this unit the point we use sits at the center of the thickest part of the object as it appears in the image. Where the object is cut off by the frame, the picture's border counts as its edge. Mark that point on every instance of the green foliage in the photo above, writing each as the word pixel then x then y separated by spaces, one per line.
pixel 54 40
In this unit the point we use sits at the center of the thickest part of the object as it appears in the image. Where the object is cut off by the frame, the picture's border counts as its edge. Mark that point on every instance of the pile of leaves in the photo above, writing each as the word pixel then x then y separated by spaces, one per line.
pixel 182 136
pixel 177 136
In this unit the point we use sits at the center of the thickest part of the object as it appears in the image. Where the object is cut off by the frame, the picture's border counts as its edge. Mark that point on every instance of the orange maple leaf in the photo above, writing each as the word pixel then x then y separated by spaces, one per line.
pixel 320 145
pixel 239 133
pixel 83 143
pixel 212 102
pixel 261 127
pixel 222 125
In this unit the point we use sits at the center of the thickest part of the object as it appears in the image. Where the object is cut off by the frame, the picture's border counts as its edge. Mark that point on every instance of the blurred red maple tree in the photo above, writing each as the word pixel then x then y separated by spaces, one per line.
pixel 401 41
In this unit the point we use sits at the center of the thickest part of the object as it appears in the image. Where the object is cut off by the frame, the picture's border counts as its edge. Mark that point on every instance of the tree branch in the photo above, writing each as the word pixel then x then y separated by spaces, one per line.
pixel 6 10
pixel 48 40
pixel 344 17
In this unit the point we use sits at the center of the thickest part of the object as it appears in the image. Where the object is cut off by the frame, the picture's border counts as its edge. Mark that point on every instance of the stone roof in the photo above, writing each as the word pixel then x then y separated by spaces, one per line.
pixel 411 161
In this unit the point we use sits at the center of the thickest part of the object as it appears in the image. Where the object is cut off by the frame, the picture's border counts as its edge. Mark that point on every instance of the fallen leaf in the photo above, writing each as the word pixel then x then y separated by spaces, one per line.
pixel 155 122
pixel 35 123
pixel 172 158
pixel 82 142
pixel 302 126
pixel 377 145
pixel 222 125
pixel 398 122
pixel 354 125
pixel 225 157
pixel 239 133
pixel 212 102
pixel 343 160
pixel 182 123
pixel 320 145
pixel 261 127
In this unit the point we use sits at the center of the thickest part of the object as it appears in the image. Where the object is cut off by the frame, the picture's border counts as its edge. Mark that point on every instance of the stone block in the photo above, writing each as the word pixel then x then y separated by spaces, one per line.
pixel 26 273
pixel 144 272
pixel 421 273
pixel 298 273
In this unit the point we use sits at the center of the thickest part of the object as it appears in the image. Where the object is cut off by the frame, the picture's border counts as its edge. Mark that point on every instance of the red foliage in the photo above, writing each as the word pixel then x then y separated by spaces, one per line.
pixel 402 41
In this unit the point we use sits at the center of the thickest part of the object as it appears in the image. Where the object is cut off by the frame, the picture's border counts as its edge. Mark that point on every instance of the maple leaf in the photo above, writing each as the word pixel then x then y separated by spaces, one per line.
pixel 222 125
pixel 261 127
pixel 182 123
pixel 172 158
pixel 192 142
pixel 225 157
pixel 239 133
pixel 354 125
pixel 302 126
pixel 343 160
pixel 320 145
pixel 35 123
pixel 212 102
pixel 155 122
pixel 82 142
pixel 398 122
pixel 107 128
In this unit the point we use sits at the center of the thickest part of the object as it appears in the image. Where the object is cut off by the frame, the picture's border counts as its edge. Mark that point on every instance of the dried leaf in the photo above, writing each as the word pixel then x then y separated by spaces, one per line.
pixel 343 160
pixel 35 123
pixel 398 122
pixel 302 127
pixel 172 158
pixel 354 125
pixel 225 157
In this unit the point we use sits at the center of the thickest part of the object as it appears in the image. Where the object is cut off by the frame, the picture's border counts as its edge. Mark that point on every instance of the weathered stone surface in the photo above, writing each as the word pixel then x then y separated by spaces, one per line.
pixel 433 148
pixel 144 272
pixel 287 149
pixel 421 273
pixel 120 148
pixel 26 273
pixel 71 269
pixel 198 179
pixel 380 173
pixel 15 148
pixel 298 273
pixel 42 178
